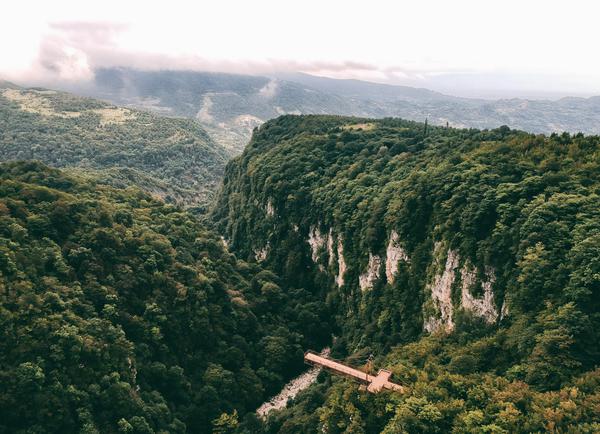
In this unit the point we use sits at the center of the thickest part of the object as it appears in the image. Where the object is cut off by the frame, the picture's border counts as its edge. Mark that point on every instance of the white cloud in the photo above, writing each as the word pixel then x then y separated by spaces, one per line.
pixel 406 42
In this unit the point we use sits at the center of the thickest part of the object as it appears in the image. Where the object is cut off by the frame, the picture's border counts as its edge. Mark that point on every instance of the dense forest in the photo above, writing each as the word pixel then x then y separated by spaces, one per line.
pixel 465 260
pixel 119 313
pixel 173 159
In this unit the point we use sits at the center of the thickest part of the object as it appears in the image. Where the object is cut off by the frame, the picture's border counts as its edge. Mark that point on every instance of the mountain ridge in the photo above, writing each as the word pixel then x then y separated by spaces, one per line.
pixel 230 106
pixel 344 86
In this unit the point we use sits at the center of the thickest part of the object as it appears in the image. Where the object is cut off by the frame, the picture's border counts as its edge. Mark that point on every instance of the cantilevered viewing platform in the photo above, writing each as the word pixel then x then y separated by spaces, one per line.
pixel 374 383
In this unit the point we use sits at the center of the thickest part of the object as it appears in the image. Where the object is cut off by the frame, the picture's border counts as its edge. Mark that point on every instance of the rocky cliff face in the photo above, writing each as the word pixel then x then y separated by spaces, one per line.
pixel 456 275
pixel 402 230
pixel 393 255
pixel 454 285
pixel 439 310
pixel 320 243
pixel 441 295
pixel 372 273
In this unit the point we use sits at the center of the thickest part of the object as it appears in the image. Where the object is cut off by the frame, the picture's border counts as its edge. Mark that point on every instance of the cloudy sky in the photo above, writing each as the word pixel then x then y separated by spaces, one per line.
pixel 474 48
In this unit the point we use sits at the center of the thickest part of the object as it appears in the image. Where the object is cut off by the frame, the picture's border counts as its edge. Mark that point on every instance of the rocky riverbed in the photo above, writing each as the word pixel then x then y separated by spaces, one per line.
pixel 290 390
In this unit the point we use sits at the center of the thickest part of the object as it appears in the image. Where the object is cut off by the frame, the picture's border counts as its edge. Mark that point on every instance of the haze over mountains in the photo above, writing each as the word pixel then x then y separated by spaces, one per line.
pixel 171 158
pixel 230 106
pixel 194 196
pixel 465 260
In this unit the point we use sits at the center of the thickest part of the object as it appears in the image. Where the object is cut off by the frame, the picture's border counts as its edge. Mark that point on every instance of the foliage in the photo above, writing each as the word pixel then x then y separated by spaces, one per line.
pixel 119 313
pixel 171 158
pixel 122 314
pixel 523 207
pixel 437 400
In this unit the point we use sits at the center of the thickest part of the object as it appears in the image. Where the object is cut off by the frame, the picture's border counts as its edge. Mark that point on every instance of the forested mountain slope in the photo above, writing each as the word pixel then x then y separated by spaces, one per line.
pixel 172 158
pixel 119 313
pixel 467 260
pixel 229 106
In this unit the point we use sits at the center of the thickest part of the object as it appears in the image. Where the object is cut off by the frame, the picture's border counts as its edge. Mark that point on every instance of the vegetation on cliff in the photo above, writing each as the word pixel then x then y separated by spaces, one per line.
pixel 466 261
pixel 495 237
pixel 119 313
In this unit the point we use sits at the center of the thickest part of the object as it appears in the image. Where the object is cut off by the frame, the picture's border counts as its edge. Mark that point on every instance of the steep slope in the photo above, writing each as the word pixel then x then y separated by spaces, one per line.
pixel 229 106
pixel 121 314
pixel 479 246
pixel 172 158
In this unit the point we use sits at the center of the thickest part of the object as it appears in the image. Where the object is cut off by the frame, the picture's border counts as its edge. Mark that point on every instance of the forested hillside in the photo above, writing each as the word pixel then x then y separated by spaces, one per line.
pixel 466 260
pixel 119 313
pixel 171 158
pixel 229 106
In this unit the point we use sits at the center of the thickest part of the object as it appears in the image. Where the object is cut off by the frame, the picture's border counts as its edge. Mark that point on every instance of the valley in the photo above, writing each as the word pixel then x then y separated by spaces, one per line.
pixel 185 284
pixel 290 390
pixel 230 106
pixel 233 217
pixel 122 313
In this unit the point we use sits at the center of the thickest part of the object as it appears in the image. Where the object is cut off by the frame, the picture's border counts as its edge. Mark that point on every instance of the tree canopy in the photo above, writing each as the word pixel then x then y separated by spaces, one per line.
pixel 502 214
pixel 171 158
pixel 119 313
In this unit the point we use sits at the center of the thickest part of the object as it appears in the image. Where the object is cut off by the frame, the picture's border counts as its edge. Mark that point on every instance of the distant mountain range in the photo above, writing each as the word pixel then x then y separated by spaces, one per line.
pixel 229 106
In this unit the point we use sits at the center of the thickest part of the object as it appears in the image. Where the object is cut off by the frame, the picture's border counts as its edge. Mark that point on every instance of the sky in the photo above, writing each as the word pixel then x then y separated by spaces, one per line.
pixel 490 48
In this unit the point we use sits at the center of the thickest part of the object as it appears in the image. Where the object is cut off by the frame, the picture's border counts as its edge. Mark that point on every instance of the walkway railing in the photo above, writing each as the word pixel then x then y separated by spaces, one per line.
pixel 374 383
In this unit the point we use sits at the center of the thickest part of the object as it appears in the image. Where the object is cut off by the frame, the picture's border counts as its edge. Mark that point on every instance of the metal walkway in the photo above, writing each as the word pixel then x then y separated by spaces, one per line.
pixel 374 383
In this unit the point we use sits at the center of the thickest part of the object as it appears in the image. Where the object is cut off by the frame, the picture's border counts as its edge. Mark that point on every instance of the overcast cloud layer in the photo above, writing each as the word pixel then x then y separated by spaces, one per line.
pixel 472 48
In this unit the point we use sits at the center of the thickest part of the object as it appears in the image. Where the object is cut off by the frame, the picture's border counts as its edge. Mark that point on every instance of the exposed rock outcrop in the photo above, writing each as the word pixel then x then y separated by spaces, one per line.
pixel 270 209
pixel 261 254
pixel 483 307
pixel 441 295
pixel 393 254
pixel 339 280
pixel 504 310
pixel 330 252
pixel 368 278
pixel 317 241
